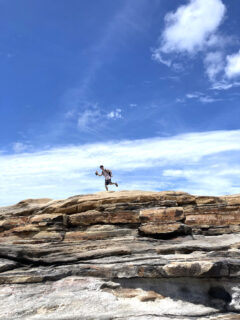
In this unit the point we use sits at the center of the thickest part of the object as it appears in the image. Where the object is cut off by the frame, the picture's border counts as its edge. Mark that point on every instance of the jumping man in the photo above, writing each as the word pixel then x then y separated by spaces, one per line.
pixel 108 175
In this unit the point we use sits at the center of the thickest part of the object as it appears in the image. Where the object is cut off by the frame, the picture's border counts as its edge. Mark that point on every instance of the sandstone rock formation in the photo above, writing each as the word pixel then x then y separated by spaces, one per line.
pixel 121 255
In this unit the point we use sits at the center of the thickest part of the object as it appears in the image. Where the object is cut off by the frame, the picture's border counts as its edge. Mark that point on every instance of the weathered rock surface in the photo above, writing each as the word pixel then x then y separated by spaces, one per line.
pixel 121 255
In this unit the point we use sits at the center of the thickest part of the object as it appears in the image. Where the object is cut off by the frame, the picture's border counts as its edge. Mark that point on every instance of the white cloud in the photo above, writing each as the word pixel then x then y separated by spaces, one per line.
pixel 193 95
pixel 224 85
pixel 157 56
pixel 201 97
pixel 180 100
pixel 232 69
pixel 172 173
pixel 88 119
pixel 207 99
pixel 191 26
pixel 92 118
pixel 207 157
pixel 214 64
pixel 20 147
pixel 115 114
pixel 70 114
pixel 222 181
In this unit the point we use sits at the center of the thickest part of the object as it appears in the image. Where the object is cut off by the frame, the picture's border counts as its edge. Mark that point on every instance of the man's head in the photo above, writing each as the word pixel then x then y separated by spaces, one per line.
pixel 101 167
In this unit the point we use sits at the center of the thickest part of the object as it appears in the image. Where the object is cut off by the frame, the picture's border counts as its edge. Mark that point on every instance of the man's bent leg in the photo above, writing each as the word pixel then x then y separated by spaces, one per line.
pixel 114 183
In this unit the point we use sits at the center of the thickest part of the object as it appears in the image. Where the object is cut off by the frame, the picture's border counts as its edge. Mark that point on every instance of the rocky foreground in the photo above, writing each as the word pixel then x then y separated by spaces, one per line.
pixel 121 255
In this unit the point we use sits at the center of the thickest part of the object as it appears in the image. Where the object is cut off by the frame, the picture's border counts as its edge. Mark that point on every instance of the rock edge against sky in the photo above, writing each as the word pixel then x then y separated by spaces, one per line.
pixel 121 255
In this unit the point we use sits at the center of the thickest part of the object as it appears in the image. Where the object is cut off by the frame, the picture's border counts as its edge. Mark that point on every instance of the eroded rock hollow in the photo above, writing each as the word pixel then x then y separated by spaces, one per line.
pixel 121 255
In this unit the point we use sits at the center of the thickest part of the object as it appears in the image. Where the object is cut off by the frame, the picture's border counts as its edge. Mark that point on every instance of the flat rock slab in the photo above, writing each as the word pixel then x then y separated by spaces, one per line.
pixel 121 255
pixel 82 298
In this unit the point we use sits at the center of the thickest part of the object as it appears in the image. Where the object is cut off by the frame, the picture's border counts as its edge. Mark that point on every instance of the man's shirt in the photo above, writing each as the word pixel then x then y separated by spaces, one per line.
pixel 106 175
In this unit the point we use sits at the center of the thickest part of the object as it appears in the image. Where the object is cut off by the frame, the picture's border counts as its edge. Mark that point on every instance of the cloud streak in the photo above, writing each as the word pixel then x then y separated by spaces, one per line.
pixel 115 114
pixel 198 163
pixel 199 96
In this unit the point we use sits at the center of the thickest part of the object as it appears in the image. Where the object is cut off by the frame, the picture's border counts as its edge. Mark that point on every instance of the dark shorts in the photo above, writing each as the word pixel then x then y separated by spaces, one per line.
pixel 108 181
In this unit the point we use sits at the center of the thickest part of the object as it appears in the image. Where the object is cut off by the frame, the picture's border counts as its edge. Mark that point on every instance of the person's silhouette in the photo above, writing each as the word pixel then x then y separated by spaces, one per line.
pixel 108 177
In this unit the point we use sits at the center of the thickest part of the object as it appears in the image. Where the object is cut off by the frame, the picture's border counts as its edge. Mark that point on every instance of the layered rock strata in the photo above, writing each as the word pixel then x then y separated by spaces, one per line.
pixel 121 255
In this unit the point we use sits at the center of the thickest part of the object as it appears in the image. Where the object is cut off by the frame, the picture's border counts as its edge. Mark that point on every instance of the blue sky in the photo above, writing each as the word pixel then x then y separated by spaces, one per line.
pixel 150 89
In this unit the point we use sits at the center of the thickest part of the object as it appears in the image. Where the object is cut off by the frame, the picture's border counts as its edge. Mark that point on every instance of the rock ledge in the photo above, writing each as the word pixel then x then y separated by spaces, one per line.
pixel 121 255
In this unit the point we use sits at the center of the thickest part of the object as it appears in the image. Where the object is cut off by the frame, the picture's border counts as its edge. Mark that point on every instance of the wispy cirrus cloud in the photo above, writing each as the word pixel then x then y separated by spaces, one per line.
pixel 201 97
pixel 115 114
pixel 207 99
pixel 19 147
pixel 214 64
pixel 92 118
pixel 122 25
pixel 224 85
pixel 88 119
pixel 194 162
pixel 193 95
